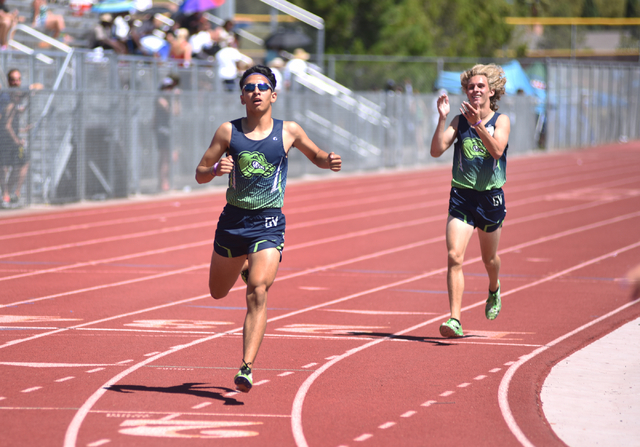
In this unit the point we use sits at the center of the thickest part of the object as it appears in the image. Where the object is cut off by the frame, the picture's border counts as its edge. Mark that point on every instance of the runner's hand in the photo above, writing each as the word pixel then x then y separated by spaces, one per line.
pixel 335 162
pixel 443 105
pixel 225 165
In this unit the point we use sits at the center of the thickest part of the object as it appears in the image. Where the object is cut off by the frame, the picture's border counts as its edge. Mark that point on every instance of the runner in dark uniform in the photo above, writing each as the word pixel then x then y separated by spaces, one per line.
pixel 481 138
pixel 250 234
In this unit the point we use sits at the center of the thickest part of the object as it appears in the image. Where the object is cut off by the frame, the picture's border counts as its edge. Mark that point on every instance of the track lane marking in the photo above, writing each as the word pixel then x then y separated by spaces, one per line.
pixel 72 431
pixel 328 240
pixel 296 412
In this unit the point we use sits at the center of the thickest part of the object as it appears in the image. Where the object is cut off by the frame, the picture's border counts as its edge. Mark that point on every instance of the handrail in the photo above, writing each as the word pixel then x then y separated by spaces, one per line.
pixel 242 33
pixel 43 37
pixel 304 16
pixel 301 14
pixel 54 43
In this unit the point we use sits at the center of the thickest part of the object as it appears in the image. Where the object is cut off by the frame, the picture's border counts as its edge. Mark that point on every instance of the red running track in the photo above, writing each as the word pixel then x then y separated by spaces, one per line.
pixel 109 336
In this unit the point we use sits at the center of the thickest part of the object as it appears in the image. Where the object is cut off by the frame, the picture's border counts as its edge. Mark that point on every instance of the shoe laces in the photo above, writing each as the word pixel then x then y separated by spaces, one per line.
pixel 245 368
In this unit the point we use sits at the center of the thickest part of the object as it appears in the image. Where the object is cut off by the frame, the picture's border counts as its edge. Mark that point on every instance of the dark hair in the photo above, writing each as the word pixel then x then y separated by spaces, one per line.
pixel 13 70
pixel 262 70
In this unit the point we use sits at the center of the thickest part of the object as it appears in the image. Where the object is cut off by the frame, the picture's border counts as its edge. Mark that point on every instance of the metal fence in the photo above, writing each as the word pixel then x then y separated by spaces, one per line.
pixel 590 104
pixel 95 137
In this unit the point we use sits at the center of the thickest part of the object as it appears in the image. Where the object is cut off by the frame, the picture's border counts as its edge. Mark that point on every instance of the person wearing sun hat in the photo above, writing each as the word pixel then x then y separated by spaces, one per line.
pixel 295 67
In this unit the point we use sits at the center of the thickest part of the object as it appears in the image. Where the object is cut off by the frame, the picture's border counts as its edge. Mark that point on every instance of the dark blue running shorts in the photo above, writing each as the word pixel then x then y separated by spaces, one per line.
pixel 484 210
pixel 241 231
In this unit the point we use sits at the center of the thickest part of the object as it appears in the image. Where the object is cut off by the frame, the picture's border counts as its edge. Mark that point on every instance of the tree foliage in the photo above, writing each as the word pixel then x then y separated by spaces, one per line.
pixel 413 27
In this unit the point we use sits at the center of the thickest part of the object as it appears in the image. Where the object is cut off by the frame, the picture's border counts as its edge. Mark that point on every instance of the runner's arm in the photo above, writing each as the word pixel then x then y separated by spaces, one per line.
pixel 497 143
pixel 444 136
pixel 214 154
pixel 300 140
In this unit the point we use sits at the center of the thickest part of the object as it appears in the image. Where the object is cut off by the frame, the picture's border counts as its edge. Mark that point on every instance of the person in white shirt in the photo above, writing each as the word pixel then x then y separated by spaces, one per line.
pixel 230 61
pixel 276 64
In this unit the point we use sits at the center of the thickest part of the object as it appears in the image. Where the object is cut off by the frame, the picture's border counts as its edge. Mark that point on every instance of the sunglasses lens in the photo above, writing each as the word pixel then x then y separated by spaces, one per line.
pixel 251 87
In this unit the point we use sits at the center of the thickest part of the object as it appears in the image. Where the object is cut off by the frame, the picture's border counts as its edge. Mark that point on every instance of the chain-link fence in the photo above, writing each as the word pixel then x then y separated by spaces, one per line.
pixel 96 136
pixel 591 104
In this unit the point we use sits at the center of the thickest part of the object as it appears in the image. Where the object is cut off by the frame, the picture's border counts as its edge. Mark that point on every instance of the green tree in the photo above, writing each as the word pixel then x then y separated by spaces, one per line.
pixel 413 27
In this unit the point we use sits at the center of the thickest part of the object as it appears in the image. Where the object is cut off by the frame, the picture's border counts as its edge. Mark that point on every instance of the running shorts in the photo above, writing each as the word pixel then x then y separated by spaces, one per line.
pixel 241 231
pixel 484 210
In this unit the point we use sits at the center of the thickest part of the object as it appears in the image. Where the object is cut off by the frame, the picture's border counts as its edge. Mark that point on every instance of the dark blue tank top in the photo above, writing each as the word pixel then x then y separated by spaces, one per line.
pixel 473 165
pixel 259 175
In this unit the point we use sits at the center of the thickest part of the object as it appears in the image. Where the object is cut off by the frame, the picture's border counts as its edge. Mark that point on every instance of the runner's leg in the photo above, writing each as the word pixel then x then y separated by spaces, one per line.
pixel 263 267
pixel 489 248
pixel 223 274
pixel 458 235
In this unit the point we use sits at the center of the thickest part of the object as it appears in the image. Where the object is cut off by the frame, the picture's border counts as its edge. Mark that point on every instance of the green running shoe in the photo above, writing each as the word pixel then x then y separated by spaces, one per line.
pixel 243 379
pixel 451 329
pixel 493 306
pixel 244 275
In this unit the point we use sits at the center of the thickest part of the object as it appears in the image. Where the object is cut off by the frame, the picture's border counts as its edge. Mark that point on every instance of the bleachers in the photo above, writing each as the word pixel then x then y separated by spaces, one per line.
pixel 78 28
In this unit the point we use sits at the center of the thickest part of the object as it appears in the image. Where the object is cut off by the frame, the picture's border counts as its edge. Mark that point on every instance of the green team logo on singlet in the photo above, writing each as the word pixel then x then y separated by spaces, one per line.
pixel 254 164
pixel 474 148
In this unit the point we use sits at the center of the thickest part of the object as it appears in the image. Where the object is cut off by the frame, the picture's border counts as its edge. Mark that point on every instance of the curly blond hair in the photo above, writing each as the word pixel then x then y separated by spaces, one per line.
pixel 495 78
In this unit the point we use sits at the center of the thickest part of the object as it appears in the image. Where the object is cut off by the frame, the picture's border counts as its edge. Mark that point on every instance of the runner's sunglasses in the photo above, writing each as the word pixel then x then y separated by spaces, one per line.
pixel 262 86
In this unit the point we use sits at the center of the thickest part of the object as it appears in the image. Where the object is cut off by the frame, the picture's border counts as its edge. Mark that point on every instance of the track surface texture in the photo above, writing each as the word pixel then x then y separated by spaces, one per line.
pixel 109 335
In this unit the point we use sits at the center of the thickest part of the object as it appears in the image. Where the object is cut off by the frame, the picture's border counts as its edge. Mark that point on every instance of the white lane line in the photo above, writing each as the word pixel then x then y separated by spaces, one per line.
pixel 99 443
pixel 171 416
pixel 503 390
pixel 334 239
pixel 309 365
pixel 506 380
pixel 54 365
pixel 95 370
pixel 428 403
pixel 262 382
pixel 480 377
pixel 29 390
pixel 387 425
pixel 102 223
pixel 464 385
pixel 296 412
pixel 202 405
pixel 74 427
pixel 408 414
pixel 495 370
pixel 64 379
pixel 363 437
pixel 284 374
pixel 447 393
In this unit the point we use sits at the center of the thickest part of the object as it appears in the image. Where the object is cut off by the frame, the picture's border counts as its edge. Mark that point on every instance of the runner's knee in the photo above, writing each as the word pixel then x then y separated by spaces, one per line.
pixel 455 258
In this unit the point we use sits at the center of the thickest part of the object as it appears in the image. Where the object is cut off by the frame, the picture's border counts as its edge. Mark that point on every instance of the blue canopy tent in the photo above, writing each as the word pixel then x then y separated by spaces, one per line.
pixel 517 79
pixel 113 6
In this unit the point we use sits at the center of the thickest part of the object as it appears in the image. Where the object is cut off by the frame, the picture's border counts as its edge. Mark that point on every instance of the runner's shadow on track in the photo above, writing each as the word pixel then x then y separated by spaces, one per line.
pixel 190 389
pixel 438 341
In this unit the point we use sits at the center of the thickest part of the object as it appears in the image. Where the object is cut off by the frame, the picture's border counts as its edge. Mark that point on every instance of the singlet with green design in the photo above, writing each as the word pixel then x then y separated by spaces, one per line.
pixel 473 165
pixel 259 173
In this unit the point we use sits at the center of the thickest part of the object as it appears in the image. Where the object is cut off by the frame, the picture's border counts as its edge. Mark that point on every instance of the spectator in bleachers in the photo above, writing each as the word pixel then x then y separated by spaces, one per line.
pixel 225 35
pixel 180 47
pixel 8 19
pixel 149 39
pixel 203 42
pixel 296 66
pixel 231 62
pixel 276 64
pixel 104 36
pixel 45 20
